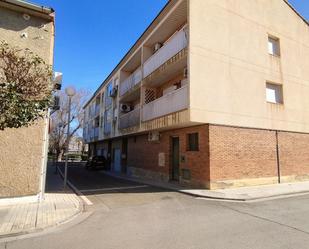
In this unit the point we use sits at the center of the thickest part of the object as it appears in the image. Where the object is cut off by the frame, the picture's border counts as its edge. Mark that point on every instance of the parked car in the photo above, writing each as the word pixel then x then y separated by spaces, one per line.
pixel 96 162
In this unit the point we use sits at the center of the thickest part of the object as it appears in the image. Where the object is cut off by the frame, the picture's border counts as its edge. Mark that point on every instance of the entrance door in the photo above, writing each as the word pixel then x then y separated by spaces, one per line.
pixel 117 160
pixel 175 159
pixel 124 155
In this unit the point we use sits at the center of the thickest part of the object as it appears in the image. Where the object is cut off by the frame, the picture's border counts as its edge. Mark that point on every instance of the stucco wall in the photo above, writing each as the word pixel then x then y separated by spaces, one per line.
pixel 230 64
pixel 21 150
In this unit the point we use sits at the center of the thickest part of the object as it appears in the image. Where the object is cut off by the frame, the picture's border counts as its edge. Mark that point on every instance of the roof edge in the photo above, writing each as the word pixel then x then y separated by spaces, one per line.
pixel 128 52
pixel 141 36
pixel 291 6
pixel 30 6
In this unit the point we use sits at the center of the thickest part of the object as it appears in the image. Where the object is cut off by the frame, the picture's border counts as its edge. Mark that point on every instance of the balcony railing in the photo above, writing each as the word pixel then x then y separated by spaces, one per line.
pixel 172 47
pixel 97 110
pixel 131 81
pixel 107 128
pixel 167 104
pixel 96 132
pixel 129 119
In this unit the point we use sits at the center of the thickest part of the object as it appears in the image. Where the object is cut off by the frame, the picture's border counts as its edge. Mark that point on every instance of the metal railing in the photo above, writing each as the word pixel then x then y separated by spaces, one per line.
pixel 107 128
pixel 129 119
pixel 172 47
pixel 131 81
pixel 167 104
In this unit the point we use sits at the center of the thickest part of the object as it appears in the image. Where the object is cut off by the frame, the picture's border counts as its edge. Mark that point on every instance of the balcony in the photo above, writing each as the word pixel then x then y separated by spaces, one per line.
pixel 131 81
pixel 107 128
pixel 96 132
pixel 96 110
pixel 172 47
pixel 130 119
pixel 167 104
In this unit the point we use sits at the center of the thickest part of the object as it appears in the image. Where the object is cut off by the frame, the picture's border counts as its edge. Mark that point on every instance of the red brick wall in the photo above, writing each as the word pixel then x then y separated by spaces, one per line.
pixel 237 153
pixel 294 153
pixel 144 154
pixel 225 153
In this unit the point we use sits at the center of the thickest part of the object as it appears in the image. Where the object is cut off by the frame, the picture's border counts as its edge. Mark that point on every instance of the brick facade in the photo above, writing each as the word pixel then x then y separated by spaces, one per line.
pixel 227 156
pixel 143 154
pixel 294 156
pixel 239 153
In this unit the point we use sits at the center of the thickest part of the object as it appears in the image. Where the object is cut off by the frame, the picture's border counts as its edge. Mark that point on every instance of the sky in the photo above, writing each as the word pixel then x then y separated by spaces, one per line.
pixel 91 39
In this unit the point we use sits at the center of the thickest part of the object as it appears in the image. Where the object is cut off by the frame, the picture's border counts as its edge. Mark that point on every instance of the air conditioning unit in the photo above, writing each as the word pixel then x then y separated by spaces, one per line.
pixel 157 46
pixel 113 92
pixel 154 136
pixel 125 108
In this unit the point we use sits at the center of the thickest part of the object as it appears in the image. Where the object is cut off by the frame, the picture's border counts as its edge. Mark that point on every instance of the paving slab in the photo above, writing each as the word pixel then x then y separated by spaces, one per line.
pixel 58 206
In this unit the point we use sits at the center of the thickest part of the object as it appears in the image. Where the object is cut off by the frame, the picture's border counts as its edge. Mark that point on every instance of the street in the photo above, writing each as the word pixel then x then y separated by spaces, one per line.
pixel 130 215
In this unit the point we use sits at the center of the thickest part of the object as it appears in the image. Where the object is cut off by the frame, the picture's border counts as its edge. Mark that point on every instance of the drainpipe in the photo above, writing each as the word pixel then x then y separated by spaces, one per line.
pixel 278 158
pixel 44 158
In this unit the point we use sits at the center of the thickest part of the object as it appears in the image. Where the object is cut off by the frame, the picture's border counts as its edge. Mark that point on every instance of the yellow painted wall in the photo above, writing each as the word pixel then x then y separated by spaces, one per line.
pixel 230 64
pixel 21 150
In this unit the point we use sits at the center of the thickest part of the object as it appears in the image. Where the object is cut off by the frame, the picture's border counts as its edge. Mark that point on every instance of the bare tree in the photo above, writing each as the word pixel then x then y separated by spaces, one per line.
pixel 58 134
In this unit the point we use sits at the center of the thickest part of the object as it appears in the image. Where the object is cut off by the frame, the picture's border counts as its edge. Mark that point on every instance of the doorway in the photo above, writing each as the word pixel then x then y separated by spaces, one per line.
pixel 124 155
pixel 117 160
pixel 174 172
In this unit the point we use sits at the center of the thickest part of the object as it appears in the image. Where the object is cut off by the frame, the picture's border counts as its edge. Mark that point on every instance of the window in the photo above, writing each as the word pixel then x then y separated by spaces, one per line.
pixel 274 93
pixel 192 142
pixel 273 46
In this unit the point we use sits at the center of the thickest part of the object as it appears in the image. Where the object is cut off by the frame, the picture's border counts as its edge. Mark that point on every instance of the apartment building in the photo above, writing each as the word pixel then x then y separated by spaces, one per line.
pixel 23 151
pixel 214 94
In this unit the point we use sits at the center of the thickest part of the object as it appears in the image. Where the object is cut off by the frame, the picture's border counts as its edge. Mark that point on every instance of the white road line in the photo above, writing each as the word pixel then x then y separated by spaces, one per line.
pixel 84 198
pixel 109 189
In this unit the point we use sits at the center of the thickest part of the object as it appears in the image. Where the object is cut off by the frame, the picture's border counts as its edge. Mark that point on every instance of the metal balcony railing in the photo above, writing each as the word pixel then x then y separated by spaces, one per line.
pixel 172 47
pixel 97 110
pixel 167 104
pixel 131 81
pixel 130 119
pixel 107 128
pixel 96 132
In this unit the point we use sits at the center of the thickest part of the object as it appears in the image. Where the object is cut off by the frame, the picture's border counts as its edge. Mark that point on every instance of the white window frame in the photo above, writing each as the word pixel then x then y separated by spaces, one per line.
pixel 274 93
pixel 274 46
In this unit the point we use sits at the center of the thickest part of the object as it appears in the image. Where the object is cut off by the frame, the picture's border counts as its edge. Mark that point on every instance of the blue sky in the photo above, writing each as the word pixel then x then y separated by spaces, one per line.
pixel 92 38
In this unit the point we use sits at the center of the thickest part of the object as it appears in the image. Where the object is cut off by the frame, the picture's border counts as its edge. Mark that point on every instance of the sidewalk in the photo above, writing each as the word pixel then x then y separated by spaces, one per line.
pixel 236 194
pixel 58 207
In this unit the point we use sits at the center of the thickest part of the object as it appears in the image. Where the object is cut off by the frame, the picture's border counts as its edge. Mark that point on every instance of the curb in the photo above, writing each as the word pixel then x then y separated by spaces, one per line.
pixel 38 230
pixel 81 209
pixel 76 191
pixel 202 196
pixel 158 185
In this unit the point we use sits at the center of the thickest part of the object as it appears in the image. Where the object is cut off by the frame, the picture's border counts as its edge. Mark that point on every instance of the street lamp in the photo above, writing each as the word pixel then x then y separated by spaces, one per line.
pixel 70 92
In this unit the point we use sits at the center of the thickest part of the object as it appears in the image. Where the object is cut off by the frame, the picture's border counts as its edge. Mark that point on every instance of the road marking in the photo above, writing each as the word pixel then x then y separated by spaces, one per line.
pixel 84 198
pixel 79 193
pixel 118 188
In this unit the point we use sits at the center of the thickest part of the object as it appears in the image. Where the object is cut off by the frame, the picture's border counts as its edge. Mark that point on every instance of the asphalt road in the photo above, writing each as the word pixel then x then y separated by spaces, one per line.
pixel 127 215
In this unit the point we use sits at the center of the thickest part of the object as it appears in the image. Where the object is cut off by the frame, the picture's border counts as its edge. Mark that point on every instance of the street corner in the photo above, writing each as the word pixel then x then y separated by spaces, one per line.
pixel 27 218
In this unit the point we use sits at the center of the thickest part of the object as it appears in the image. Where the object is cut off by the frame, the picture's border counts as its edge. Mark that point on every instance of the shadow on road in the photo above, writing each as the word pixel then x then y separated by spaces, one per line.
pixel 96 182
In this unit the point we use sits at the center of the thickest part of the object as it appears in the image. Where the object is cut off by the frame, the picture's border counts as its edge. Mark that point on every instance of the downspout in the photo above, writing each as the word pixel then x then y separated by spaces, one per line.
pixel 46 130
pixel 278 158
pixel 44 157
